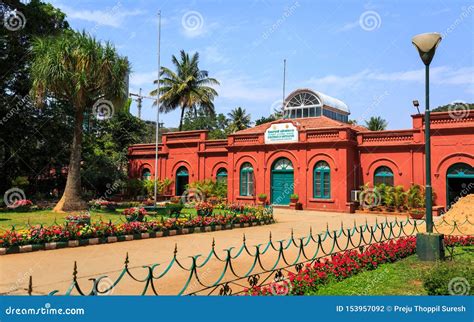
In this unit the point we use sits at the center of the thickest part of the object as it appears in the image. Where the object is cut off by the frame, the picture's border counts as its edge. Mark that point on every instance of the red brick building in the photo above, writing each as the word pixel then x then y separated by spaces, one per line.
pixel 316 154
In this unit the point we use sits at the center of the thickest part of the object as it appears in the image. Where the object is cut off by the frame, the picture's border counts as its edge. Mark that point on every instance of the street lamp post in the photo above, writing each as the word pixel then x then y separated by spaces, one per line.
pixel 429 246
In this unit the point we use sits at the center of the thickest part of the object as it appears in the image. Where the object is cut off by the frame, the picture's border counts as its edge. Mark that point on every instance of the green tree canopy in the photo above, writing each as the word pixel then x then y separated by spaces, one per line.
pixel 239 119
pixel 376 123
pixel 187 87
pixel 78 69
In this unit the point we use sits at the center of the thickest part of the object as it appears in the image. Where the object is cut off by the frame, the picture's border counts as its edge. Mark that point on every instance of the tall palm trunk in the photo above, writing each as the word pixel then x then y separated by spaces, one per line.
pixel 71 198
pixel 181 119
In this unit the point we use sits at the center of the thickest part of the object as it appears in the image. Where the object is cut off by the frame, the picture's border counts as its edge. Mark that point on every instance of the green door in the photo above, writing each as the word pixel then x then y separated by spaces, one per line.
pixel 182 180
pixel 282 182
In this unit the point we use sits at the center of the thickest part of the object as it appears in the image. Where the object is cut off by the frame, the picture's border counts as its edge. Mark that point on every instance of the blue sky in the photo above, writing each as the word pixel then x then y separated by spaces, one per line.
pixel 357 51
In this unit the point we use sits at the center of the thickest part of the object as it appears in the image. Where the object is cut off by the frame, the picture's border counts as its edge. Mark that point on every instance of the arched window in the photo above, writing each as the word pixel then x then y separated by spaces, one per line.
pixel 283 164
pixel 322 180
pixel 221 176
pixel 246 180
pixel 383 175
pixel 146 174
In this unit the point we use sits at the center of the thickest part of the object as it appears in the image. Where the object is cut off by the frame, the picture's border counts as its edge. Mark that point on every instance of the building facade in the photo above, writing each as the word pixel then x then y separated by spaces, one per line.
pixel 314 153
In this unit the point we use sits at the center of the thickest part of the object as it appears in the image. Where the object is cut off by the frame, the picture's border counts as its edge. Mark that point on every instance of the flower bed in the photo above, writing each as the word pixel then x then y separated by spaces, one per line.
pixel 134 214
pixel 346 264
pixel 81 219
pixel 99 204
pixel 23 205
pixel 38 237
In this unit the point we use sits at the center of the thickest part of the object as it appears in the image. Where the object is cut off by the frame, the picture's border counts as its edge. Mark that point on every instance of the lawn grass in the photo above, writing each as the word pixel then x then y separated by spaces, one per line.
pixel 400 278
pixel 47 217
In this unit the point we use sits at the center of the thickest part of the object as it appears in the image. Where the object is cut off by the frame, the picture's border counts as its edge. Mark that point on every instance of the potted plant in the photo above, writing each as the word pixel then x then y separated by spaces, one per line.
pixel 204 209
pixel 299 206
pixel 134 214
pixel 417 213
pixel 81 219
pixel 262 198
pixel 294 198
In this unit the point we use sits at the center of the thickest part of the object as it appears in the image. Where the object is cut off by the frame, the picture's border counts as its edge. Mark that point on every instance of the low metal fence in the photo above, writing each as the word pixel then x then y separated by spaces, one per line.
pixel 288 255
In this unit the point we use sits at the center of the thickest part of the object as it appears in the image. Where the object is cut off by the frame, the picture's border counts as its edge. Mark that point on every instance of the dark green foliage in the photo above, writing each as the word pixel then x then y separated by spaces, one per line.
pixel 32 141
pixel 239 119
pixel 105 152
pixel 454 106
pixel 450 278
pixel 174 209
pixel 199 119
pixel 376 123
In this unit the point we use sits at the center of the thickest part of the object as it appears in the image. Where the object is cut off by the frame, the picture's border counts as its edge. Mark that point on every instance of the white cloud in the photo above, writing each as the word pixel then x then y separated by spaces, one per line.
pixel 213 55
pixel 442 75
pixel 112 16
pixel 348 26
pixel 143 79
pixel 241 87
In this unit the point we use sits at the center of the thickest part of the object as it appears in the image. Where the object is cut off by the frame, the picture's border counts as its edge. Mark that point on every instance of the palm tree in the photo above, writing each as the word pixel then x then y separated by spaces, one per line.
pixel 376 123
pixel 239 119
pixel 80 70
pixel 187 87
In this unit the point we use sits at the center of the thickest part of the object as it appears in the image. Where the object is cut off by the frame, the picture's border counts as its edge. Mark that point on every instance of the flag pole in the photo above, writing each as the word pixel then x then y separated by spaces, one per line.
pixel 157 131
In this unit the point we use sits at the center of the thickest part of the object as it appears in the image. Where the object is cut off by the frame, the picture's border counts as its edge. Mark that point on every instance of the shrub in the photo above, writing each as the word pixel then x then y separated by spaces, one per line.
pixel 262 196
pixel 208 188
pixel 21 182
pixel 400 197
pixel 294 196
pixel 416 197
pixel 174 209
pixel 449 278
pixel 135 188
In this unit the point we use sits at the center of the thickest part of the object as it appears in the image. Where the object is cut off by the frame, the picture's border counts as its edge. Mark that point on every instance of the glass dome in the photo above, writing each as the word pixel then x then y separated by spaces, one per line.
pixel 308 103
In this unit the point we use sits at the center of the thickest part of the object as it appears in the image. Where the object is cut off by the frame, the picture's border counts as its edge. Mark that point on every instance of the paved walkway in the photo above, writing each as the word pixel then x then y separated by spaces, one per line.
pixel 53 269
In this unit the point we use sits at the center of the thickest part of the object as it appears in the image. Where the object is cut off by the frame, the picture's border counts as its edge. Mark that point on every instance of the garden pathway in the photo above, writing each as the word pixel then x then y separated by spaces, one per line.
pixel 53 269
